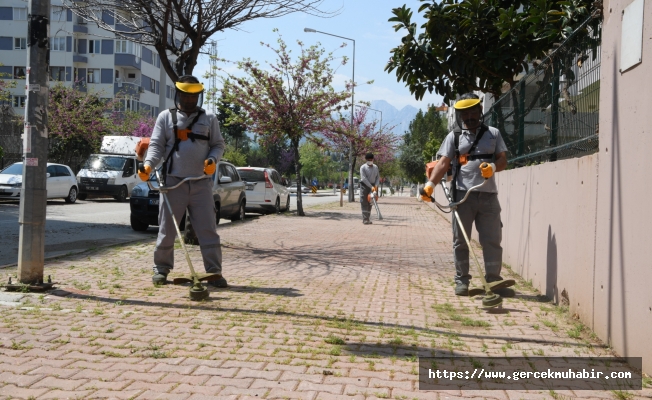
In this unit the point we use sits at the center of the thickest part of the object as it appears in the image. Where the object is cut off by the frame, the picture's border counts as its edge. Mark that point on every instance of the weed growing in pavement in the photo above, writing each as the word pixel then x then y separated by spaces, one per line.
pixel 332 339
pixel 552 325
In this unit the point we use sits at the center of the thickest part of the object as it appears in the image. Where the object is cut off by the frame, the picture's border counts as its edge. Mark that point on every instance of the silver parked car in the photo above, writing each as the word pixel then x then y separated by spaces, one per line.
pixel 60 184
pixel 266 192
pixel 228 194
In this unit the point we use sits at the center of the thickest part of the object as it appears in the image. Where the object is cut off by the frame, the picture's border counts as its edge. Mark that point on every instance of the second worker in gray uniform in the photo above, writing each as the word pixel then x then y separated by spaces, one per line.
pixel 369 181
pixel 193 150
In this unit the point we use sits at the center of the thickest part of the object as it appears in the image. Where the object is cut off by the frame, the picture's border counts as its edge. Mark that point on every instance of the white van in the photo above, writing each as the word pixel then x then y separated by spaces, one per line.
pixel 113 171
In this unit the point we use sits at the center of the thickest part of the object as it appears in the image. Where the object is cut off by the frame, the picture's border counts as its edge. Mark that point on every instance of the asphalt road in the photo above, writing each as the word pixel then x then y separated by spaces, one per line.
pixel 77 227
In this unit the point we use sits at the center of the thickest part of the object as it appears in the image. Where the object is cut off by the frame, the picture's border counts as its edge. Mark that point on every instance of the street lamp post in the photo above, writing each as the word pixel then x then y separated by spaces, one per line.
pixel 351 188
pixel 381 115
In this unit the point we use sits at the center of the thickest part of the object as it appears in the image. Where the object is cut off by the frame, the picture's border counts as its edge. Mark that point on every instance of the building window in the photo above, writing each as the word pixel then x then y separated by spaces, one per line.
pixel 127 47
pixel 20 13
pixel 19 101
pixel 131 75
pixel 93 76
pixel 20 43
pixel 157 61
pixel 152 85
pixel 121 46
pixel 58 14
pixel 94 46
pixel 58 44
pixel 19 72
pixel 58 73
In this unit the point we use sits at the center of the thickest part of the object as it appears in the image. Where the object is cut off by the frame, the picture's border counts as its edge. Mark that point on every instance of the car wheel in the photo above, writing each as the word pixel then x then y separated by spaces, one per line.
pixel 72 195
pixel 240 216
pixel 217 213
pixel 82 196
pixel 287 204
pixel 138 225
pixel 277 206
pixel 122 195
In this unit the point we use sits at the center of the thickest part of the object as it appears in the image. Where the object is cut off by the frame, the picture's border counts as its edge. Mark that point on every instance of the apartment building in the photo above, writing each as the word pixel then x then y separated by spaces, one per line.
pixel 83 55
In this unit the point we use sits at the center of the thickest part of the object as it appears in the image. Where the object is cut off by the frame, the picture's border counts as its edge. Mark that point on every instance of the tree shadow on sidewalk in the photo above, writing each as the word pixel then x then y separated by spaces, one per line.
pixel 212 305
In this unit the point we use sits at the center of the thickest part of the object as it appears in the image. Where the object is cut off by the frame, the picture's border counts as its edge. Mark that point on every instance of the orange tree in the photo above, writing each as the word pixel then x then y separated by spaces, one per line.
pixel 289 101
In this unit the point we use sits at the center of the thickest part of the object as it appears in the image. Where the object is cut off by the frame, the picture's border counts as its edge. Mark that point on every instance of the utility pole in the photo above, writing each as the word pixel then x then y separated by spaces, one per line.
pixel 31 246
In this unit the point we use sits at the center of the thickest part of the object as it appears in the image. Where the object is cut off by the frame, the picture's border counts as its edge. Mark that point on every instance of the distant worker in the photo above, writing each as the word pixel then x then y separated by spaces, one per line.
pixel 476 151
pixel 188 139
pixel 369 181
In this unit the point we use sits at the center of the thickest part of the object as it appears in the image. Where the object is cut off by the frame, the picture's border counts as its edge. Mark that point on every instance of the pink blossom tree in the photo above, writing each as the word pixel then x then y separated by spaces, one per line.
pixel 132 123
pixel 290 100
pixel 362 138
pixel 77 121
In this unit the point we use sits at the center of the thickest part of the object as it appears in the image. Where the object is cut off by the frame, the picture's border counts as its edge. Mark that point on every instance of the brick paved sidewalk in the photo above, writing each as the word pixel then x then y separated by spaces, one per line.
pixel 320 307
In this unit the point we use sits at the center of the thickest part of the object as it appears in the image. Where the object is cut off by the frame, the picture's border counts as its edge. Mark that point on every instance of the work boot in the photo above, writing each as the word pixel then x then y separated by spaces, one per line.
pixel 159 279
pixel 218 283
pixel 505 292
pixel 461 289
pixel 365 221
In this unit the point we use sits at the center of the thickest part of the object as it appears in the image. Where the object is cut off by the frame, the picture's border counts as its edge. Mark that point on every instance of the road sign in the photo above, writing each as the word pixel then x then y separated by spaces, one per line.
pixel 314 182
pixel 314 189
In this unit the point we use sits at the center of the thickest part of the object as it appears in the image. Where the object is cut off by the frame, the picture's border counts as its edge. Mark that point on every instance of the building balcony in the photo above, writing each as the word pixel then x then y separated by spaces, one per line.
pixel 79 58
pixel 125 89
pixel 76 28
pixel 127 60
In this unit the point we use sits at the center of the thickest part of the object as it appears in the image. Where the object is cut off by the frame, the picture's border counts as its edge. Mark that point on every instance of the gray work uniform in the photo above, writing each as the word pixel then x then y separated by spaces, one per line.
pixel 481 207
pixel 195 196
pixel 369 177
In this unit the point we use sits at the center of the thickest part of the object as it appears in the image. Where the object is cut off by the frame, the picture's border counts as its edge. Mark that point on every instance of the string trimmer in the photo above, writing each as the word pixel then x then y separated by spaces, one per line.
pixel 490 299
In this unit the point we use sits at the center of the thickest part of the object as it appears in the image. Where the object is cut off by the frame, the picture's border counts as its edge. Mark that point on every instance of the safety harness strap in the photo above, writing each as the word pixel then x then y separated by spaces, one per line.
pixel 458 165
pixel 177 140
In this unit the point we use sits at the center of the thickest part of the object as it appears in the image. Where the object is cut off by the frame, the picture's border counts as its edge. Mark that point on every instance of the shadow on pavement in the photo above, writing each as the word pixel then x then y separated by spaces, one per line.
pixel 337 322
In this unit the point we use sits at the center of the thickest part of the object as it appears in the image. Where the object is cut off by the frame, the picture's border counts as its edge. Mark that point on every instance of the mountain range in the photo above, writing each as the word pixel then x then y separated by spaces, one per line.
pixel 392 116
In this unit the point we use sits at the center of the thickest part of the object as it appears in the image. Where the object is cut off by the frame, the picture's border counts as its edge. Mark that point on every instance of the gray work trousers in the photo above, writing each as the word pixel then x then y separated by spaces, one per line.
pixel 365 205
pixel 197 197
pixel 483 209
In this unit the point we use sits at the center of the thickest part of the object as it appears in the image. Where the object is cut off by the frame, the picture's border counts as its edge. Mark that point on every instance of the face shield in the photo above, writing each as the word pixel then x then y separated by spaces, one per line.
pixel 188 96
pixel 468 114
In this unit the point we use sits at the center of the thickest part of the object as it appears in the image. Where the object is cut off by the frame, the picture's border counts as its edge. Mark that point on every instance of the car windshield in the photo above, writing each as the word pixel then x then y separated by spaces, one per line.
pixel 13 169
pixel 251 175
pixel 105 163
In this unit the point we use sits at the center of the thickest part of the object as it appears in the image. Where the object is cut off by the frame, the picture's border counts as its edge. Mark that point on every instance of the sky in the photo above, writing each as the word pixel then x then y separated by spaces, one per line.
pixel 365 21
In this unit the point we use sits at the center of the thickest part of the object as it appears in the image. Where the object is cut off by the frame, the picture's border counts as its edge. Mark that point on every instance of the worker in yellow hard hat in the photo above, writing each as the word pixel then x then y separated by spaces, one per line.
pixel 188 141
pixel 473 151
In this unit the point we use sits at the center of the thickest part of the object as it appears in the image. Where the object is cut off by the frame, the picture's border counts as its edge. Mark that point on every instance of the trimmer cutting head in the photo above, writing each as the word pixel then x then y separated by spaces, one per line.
pixel 491 300
pixel 198 293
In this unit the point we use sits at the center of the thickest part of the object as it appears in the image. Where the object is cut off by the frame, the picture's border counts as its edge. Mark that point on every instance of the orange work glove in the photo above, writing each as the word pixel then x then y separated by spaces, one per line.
pixel 144 172
pixel 209 166
pixel 375 189
pixel 487 169
pixel 427 191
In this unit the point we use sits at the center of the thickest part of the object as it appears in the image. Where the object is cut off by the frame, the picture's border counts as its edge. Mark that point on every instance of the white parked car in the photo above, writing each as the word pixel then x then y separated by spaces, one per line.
pixel 61 182
pixel 265 190
pixel 293 188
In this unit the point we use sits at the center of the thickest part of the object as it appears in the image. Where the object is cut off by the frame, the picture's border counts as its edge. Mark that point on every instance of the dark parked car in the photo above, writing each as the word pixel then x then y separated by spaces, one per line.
pixel 228 194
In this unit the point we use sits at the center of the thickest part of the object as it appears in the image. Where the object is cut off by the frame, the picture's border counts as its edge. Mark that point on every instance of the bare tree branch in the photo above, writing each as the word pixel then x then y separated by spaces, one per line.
pixel 179 29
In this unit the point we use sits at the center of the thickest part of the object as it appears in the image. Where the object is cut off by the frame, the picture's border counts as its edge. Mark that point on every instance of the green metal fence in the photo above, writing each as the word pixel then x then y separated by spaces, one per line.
pixel 552 112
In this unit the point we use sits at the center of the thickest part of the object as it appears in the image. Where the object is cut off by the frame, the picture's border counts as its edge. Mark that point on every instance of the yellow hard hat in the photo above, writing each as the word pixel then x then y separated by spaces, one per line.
pixel 468 103
pixel 191 88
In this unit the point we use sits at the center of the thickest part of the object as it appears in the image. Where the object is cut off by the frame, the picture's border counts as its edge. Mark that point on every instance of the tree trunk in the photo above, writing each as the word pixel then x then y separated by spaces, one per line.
pixel 351 186
pixel 297 164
